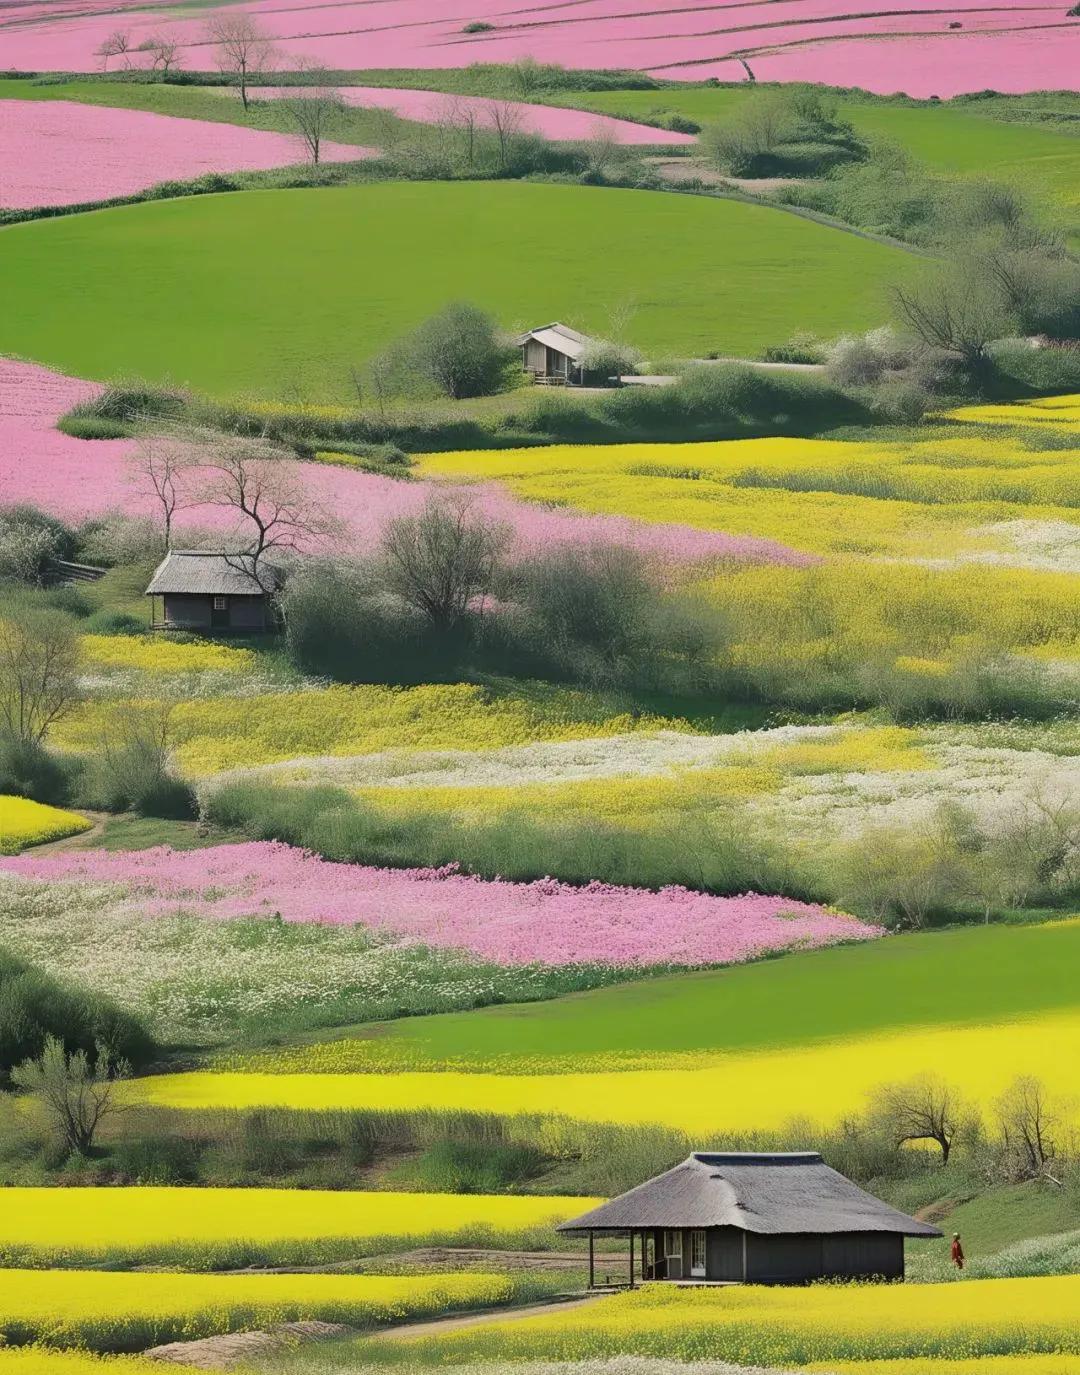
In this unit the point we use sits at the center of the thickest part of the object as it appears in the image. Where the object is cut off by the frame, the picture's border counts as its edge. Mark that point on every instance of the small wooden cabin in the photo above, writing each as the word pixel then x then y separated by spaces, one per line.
pixel 552 354
pixel 739 1218
pixel 213 592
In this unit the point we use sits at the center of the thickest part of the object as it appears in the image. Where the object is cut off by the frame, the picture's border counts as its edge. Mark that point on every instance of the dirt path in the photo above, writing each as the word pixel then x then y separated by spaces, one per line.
pixel 77 841
pixel 454 1321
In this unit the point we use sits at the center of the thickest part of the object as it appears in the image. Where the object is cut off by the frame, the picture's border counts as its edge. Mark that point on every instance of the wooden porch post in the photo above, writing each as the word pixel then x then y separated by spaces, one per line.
pixel 592 1264
pixel 631 1258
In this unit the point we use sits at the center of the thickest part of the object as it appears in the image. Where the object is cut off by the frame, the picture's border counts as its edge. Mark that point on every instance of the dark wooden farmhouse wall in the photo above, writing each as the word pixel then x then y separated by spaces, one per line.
pixel 197 611
pixel 783 1258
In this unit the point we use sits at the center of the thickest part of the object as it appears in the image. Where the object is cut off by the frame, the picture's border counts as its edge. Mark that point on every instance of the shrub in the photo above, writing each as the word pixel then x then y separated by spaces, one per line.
pixel 474 1167
pixel 456 353
pixel 1048 369
pixel 35 1006
pixel 81 426
pixel 28 769
pixel 800 348
pixel 30 540
pixel 603 360
pixel 478 26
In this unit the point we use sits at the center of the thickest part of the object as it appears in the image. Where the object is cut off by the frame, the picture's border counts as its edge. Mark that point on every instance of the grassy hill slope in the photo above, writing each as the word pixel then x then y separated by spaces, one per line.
pixel 952 977
pixel 281 292
pixel 962 140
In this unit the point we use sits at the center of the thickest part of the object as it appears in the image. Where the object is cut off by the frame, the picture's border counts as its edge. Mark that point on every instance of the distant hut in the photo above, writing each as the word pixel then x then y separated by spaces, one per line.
pixel 553 354
pixel 196 589
pixel 739 1218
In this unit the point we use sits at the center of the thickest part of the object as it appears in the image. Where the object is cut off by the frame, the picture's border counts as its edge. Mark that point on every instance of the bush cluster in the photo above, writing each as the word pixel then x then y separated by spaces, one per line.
pixel 34 1006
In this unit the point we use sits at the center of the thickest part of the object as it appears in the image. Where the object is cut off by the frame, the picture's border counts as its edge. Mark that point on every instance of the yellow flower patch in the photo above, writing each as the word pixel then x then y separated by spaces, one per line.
pixel 218 733
pixel 88 1223
pixel 160 654
pixel 790 1326
pixel 24 823
pixel 739 1092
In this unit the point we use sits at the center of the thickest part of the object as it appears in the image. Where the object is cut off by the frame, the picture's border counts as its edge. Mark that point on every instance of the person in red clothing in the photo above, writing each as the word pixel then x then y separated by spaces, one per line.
pixel 957 1251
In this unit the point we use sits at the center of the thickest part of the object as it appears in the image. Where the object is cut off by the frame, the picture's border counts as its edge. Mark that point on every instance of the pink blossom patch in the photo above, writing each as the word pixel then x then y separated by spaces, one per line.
pixel 78 478
pixel 545 922
pixel 550 121
pixel 62 153
pixel 1025 45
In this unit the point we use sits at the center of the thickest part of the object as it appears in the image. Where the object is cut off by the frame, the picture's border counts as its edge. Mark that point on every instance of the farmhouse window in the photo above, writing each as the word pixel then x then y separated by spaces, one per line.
pixel 673 1244
pixel 221 603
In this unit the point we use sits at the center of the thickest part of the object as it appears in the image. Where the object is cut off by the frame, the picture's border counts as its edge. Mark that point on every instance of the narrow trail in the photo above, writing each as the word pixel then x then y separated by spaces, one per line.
pixel 75 842
pixel 455 1321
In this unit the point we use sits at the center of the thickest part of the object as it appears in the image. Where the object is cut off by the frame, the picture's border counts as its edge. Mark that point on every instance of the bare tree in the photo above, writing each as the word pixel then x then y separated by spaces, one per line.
pixel 245 53
pixel 164 53
pixel 461 117
pixel 504 120
pixel 956 306
pixel 1028 1127
pixel 135 750
pixel 920 1109
pixel 115 44
pixel 158 463
pixel 442 559
pixel 256 481
pixel 315 109
pixel 76 1096
pixel 39 662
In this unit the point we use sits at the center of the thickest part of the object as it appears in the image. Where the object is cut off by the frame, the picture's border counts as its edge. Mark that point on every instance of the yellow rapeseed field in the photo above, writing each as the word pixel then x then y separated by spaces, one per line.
pixel 117 1311
pixel 81 1224
pixel 159 654
pixel 39 1360
pixel 24 823
pixel 903 499
pixel 1058 1363
pixel 219 733
pixel 790 1326
pixel 760 1090
pixel 638 800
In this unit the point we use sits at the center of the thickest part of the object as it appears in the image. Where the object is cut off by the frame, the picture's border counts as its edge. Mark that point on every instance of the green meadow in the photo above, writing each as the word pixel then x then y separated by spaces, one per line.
pixel 954 977
pixel 957 139
pixel 280 293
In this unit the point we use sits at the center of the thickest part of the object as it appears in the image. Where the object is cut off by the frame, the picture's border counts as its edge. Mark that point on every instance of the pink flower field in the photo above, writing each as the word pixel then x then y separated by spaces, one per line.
pixel 62 153
pixel 509 923
pixel 905 45
pixel 429 107
pixel 76 478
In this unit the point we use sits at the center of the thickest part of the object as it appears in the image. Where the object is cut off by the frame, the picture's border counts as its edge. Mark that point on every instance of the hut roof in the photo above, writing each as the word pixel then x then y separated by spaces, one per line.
pixel 786 1193
pixel 559 337
pixel 201 572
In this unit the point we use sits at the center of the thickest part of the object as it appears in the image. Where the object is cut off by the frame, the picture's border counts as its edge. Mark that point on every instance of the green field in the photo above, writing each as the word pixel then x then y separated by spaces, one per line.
pixel 961 976
pixel 216 104
pixel 955 139
pixel 280 292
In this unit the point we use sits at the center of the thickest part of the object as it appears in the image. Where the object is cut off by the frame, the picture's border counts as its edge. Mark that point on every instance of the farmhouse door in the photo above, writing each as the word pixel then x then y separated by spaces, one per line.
pixel 219 614
pixel 673 1254
pixel 697 1253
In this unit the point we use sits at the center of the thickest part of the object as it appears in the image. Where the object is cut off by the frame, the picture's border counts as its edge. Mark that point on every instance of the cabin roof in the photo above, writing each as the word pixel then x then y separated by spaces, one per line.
pixel 202 572
pixel 560 337
pixel 794 1192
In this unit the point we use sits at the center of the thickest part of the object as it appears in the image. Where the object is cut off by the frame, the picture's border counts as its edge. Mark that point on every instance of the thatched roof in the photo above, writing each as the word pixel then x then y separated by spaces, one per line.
pixel 560 337
pixel 787 1193
pixel 205 573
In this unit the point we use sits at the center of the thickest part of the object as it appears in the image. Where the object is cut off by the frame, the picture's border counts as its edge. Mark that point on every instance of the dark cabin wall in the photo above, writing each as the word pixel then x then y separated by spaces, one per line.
pixel 195 612
pixel 779 1259
pixel 181 609
pixel 724 1253
pixel 858 1255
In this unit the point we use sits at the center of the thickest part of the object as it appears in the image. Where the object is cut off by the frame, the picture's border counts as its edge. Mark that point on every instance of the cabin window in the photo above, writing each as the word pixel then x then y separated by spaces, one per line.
pixel 697 1251
pixel 221 603
pixel 673 1245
